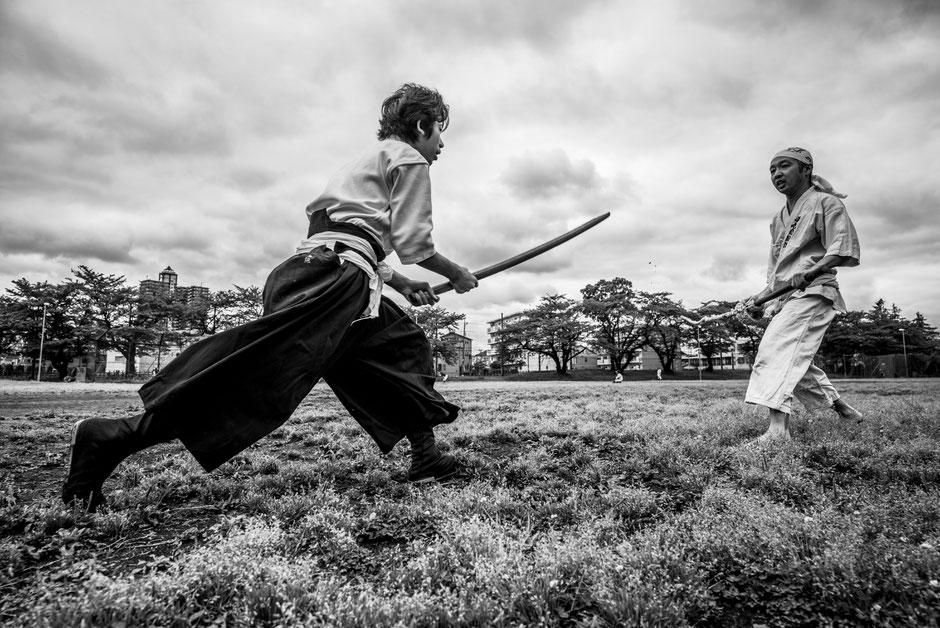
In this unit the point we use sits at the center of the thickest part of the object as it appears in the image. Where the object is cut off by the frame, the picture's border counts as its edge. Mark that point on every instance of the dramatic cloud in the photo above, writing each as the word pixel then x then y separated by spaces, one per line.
pixel 139 135
pixel 549 174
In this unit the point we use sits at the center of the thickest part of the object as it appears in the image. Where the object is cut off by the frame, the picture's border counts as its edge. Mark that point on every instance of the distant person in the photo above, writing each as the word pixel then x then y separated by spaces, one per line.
pixel 812 231
pixel 324 316
pixel 659 373
pixel 618 378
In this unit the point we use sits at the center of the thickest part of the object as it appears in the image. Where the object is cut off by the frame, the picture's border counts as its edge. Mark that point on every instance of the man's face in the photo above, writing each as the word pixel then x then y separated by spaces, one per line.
pixel 429 144
pixel 786 174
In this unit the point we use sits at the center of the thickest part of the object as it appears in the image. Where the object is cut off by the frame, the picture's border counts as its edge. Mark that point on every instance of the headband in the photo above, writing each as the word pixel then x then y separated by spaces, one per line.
pixel 795 152
pixel 803 156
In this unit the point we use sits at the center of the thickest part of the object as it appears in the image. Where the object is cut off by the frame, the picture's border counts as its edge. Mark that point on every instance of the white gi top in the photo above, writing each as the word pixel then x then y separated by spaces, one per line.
pixel 387 193
pixel 819 225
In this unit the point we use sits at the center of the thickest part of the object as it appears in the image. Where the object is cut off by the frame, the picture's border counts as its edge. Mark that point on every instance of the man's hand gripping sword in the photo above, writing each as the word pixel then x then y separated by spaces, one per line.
pixel 743 306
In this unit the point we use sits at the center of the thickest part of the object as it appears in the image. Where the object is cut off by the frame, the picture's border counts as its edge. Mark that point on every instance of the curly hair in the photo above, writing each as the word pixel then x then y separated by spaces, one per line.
pixel 410 104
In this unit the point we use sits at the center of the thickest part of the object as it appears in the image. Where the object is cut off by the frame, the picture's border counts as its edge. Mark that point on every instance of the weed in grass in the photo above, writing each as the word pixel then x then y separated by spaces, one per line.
pixel 110 525
pixel 633 508
pixel 263 464
pixel 375 480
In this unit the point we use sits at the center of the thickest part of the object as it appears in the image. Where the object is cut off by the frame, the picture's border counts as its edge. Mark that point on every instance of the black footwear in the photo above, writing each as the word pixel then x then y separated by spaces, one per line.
pixel 428 464
pixel 96 448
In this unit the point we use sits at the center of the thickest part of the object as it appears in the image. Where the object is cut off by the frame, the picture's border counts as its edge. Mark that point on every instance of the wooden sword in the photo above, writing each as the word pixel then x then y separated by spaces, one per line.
pixel 527 255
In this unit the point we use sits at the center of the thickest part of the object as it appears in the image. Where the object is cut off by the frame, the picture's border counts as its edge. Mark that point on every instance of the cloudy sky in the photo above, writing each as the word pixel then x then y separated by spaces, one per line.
pixel 136 135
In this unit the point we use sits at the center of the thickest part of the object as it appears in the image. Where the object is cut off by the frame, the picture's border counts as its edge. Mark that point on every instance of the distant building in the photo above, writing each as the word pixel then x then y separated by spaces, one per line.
pixel 494 327
pixel 513 363
pixel 734 359
pixel 195 298
pixel 164 286
pixel 643 359
pixel 463 352
pixel 582 361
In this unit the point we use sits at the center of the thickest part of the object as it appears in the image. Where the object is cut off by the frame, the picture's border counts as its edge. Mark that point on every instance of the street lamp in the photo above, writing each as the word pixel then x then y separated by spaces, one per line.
pixel 42 337
pixel 904 347
pixel 699 341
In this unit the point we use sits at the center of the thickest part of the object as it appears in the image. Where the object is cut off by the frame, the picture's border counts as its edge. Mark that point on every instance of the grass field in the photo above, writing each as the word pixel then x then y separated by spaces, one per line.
pixel 583 504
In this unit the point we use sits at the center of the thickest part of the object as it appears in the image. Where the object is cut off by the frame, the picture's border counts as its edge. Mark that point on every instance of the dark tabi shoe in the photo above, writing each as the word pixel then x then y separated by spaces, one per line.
pixel 96 448
pixel 428 463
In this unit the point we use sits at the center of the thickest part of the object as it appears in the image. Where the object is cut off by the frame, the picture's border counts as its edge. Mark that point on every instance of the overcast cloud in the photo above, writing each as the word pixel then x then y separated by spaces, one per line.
pixel 137 135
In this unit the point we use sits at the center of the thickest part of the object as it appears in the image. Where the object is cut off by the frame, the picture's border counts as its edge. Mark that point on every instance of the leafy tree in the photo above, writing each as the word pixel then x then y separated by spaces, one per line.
pixel 620 324
pixel 921 337
pixel 103 305
pixel 21 321
pixel 846 335
pixel 666 329
pixel 554 328
pixel 437 323
pixel 748 331
pixel 713 337
pixel 116 316
pixel 480 366
pixel 229 308
pixel 9 338
pixel 882 327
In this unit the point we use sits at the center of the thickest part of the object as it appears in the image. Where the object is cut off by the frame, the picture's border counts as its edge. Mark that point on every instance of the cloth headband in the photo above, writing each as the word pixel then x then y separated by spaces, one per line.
pixel 797 153
pixel 803 156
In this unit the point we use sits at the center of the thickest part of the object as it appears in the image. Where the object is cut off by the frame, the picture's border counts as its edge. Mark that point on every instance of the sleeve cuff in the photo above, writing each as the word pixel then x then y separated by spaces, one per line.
pixel 416 258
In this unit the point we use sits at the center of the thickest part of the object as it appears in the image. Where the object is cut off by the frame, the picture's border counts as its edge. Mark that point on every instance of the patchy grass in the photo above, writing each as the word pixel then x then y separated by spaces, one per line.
pixel 582 504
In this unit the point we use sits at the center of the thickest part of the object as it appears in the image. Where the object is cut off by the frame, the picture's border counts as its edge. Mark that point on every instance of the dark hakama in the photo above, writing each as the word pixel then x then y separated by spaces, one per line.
pixel 225 392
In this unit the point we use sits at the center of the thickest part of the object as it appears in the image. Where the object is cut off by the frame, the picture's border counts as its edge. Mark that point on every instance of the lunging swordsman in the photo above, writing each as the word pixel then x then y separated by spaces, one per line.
pixel 810 236
pixel 324 316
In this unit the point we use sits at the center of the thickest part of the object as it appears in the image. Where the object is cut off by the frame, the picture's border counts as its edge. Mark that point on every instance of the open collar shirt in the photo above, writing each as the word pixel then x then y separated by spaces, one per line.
pixel 819 225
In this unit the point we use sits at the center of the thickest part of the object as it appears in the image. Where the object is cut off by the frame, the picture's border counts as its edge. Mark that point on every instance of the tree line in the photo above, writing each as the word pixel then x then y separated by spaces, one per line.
pixel 92 313
pixel 614 320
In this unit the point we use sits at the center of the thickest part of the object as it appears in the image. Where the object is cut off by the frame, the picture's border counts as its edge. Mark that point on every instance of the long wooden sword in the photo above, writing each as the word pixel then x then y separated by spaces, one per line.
pixel 779 292
pixel 527 255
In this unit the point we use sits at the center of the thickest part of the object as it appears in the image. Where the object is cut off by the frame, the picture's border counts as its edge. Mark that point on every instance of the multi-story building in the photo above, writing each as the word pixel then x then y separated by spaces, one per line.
pixel 734 359
pixel 495 350
pixel 167 285
pixel 463 353
pixel 643 358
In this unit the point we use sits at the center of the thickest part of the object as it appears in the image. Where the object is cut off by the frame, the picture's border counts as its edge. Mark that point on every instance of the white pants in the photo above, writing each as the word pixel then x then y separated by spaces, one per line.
pixel 784 367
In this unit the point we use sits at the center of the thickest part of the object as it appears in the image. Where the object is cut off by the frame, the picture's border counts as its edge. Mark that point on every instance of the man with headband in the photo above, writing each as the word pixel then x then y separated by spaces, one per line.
pixel 811 233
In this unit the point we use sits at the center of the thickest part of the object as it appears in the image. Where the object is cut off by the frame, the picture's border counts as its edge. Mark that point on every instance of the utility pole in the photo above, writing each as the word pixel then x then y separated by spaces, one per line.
pixel 904 347
pixel 502 345
pixel 699 341
pixel 42 337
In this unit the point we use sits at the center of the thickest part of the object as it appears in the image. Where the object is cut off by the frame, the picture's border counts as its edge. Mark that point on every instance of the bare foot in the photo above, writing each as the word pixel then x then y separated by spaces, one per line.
pixel 846 411
pixel 773 436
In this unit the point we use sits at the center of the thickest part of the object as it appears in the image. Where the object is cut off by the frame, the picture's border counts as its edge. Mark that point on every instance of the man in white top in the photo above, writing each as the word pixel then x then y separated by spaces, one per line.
pixel 811 233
